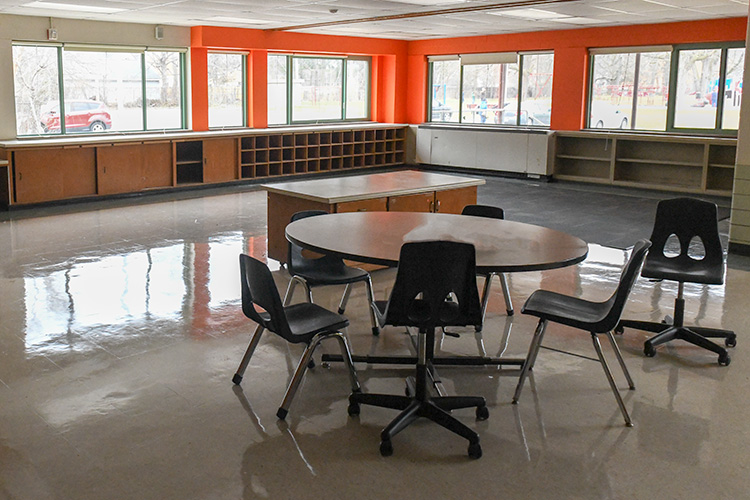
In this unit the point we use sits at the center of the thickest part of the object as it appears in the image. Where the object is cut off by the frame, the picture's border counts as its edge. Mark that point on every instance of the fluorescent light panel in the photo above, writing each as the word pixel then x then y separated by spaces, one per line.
pixel 238 20
pixel 528 13
pixel 72 7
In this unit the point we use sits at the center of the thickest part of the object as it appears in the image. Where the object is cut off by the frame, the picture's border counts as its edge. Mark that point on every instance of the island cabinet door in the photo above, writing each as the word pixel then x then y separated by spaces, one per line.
pixel 422 202
pixel 371 205
pixel 453 201
pixel 49 174
pixel 220 160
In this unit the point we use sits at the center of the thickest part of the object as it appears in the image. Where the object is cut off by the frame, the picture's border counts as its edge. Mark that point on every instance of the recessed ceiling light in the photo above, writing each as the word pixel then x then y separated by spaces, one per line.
pixel 72 7
pixel 238 20
pixel 576 20
pixel 528 13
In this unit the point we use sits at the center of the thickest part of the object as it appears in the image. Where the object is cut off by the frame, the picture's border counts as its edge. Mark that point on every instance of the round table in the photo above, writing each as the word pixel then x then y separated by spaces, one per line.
pixel 502 246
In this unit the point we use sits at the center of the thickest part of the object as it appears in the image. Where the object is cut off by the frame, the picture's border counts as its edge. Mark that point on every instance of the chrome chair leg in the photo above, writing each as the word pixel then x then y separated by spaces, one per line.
pixel 485 298
pixel 536 343
pixel 371 299
pixel 299 373
pixel 292 285
pixel 345 298
pixel 506 293
pixel 248 354
pixel 610 378
pixel 346 353
pixel 618 354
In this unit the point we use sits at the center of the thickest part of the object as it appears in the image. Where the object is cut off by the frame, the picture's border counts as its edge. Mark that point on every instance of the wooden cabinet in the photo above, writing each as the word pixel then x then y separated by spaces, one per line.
pixel 219 160
pixel 371 205
pixel 72 167
pixel 422 202
pixel 54 173
pixel 674 163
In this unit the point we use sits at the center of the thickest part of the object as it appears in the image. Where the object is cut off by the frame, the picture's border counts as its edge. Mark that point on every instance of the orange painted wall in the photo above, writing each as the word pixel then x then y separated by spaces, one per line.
pixel 400 69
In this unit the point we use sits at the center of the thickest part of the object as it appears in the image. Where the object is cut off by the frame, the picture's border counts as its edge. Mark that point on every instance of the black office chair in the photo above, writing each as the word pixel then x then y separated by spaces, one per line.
pixel 326 270
pixel 688 219
pixel 594 317
pixel 304 323
pixel 491 213
pixel 435 287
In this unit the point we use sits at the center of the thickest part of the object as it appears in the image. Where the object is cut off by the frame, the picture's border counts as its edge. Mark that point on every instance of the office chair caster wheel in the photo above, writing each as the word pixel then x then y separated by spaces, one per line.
pixel 386 448
pixel 282 413
pixel 649 350
pixel 353 409
pixel 482 413
pixel 236 379
pixel 475 451
pixel 730 341
pixel 724 359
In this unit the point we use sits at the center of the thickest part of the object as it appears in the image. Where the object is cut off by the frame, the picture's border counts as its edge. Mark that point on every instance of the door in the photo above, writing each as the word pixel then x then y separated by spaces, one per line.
pixel 219 160
pixel 119 169
pixel 48 174
pixel 454 200
pixel 422 202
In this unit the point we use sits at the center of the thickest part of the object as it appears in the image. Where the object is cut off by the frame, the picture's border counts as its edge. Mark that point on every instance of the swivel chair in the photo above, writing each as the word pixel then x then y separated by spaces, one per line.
pixel 435 287
pixel 688 219
pixel 304 323
pixel 594 317
pixel 492 213
pixel 325 270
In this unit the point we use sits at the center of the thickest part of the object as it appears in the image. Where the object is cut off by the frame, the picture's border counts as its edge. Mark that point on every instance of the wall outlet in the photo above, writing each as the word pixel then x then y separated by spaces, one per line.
pixel 159 32
pixel 52 34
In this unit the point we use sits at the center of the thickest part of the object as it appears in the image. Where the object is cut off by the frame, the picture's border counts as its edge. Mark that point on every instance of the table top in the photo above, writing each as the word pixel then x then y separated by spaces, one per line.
pixel 377 237
pixel 363 187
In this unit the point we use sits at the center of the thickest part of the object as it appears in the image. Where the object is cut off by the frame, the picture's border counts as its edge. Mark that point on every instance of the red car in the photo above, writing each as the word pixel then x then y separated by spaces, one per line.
pixel 80 116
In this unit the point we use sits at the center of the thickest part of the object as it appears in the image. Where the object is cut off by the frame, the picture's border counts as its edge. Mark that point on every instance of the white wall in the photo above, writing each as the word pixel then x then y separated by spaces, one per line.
pixel 34 29
pixel 739 230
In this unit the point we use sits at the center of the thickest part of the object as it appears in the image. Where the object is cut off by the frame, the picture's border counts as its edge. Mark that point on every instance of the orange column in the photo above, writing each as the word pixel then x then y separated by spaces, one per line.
pixel 569 88
pixel 416 89
pixel 257 91
pixel 199 87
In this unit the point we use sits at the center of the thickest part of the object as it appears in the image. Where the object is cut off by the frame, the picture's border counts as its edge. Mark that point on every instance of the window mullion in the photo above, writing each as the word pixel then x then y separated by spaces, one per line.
pixel 720 91
pixel 144 101
pixel 343 89
pixel 672 102
pixel 61 89
pixel 519 91
pixel 460 93
pixel 289 88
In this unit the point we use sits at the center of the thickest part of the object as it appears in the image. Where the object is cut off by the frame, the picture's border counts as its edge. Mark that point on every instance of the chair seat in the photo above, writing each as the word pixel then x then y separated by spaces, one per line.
pixel 311 319
pixel 567 310
pixel 331 275
pixel 686 271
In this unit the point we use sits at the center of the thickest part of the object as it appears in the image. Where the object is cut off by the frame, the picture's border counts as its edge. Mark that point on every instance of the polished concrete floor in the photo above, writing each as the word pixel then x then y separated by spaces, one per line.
pixel 120 330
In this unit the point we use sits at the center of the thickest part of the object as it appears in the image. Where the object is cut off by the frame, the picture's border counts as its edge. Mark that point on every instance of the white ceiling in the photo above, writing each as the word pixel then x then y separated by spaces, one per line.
pixel 265 14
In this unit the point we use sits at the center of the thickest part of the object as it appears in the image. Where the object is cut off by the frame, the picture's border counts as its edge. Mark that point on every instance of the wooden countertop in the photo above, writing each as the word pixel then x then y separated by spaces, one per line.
pixel 364 187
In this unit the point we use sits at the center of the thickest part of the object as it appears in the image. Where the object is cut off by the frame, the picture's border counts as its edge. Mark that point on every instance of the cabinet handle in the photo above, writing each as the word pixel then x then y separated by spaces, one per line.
pixel 432 206
pixel 20 176
pixel 437 206
pixel 361 210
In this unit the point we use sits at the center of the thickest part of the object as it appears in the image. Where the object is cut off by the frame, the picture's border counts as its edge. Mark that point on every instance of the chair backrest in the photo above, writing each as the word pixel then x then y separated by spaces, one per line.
pixel 484 211
pixel 435 286
pixel 259 289
pixel 687 218
pixel 297 263
pixel 627 279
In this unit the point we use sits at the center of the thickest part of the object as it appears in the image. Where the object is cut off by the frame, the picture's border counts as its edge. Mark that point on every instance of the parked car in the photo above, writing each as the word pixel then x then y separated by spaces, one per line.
pixel 80 116
pixel 608 116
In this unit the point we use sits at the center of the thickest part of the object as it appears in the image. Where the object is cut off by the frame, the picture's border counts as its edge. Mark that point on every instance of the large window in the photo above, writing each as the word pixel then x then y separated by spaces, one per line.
pixel 305 89
pixel 667 89
pixel 484 89
pixel 226 90
pixel 100 89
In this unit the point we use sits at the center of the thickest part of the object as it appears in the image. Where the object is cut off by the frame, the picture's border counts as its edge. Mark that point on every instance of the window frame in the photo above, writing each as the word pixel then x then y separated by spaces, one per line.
pixel 142 51
pixel 670 128
pixel 243 92
pixel 290 89
pixel 492 58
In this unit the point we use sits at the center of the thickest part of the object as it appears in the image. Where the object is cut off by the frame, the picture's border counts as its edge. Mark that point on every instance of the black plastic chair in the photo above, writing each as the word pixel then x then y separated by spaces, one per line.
pixel 689 220
pixel 435 287
pixel 323 271
pixel 304 323
pixel 594 317
pixel 491 213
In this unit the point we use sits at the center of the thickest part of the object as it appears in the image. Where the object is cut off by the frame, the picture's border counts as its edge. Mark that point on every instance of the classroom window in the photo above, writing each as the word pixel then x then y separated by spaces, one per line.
pixel 484 89
pixel 667 89
pixel 226 90
pixel 303 89
pixel 101 89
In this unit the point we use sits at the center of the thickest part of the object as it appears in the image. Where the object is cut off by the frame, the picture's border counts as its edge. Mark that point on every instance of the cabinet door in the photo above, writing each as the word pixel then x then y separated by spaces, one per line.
pixel 219 160
pixel 422 202
pixel 454 200
pixel 157 165
pixel 119 169
pixel 54 174
pixel 373 205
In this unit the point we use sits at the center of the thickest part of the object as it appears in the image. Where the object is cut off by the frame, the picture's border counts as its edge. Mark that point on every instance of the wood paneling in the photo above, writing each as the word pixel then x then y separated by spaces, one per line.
pixel 54 174
pixel 219 160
